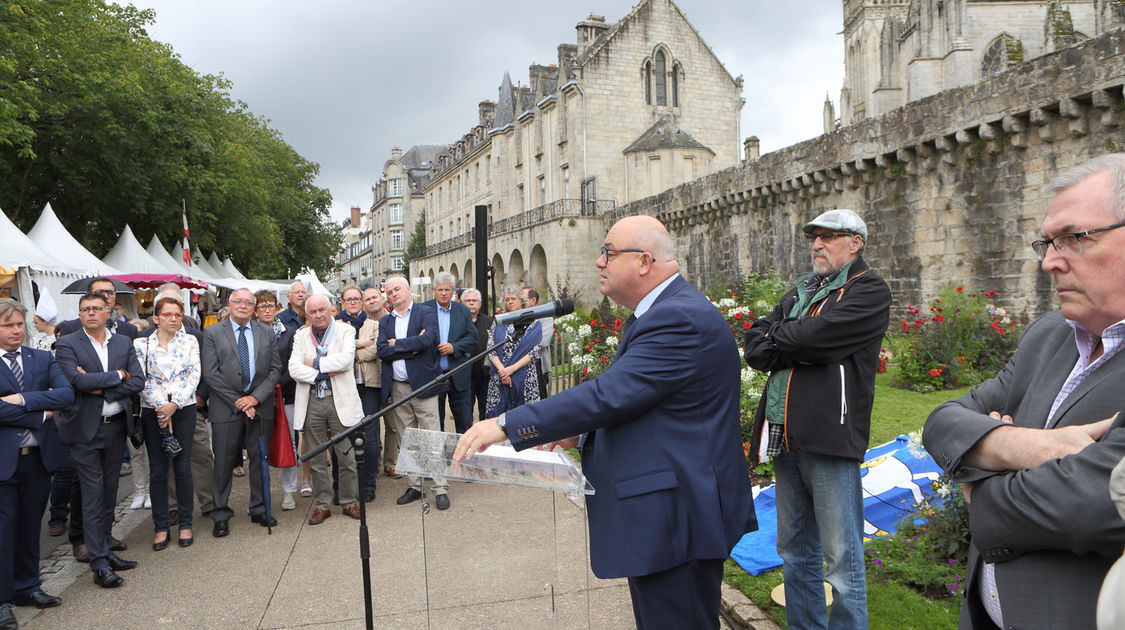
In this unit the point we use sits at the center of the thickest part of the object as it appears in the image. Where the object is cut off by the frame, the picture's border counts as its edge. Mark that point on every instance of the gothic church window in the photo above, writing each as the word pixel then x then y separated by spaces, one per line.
pixel 661 70
pixel 1004 52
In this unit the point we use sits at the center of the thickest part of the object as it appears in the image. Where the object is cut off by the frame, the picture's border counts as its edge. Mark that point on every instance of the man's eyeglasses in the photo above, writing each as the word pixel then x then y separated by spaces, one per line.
pixel 104 292
pixel 171 315
pixel 242 302
pixel 267 306
pixel 91 309
pixel 1071 241
pixel 826 237
pixel 608 252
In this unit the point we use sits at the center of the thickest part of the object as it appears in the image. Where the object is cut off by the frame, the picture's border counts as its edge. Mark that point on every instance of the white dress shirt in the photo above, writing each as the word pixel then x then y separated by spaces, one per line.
pixel 102 350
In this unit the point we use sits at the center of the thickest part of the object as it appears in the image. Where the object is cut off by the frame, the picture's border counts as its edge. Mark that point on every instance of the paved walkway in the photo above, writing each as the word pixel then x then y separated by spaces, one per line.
pixel 499 558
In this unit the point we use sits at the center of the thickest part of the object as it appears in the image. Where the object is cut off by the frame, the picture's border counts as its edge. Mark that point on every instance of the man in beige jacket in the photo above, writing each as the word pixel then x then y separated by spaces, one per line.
pixel 371 371
pixel 322 364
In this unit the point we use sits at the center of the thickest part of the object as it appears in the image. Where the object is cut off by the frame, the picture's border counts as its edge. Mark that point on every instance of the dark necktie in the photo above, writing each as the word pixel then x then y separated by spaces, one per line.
pixel 244 357
pixel 14 365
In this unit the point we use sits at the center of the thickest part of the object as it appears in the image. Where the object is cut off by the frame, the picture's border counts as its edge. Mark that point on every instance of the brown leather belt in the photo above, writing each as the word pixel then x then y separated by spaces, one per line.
pixel 29 450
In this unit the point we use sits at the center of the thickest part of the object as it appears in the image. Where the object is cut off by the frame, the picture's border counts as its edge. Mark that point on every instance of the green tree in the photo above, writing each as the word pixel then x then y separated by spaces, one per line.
pixel 113 129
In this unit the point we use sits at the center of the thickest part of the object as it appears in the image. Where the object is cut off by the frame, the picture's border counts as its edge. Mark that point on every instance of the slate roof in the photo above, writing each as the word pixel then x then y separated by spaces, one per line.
pixel 662 135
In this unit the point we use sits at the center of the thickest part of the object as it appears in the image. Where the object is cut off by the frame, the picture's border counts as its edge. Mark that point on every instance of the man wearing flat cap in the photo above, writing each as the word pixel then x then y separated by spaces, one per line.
pixel 821 348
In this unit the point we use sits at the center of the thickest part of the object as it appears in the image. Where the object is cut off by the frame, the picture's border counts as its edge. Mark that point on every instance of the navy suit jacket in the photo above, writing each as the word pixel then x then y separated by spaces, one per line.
pixel 79 422
pixel 664 446
pixel 418 348
pixel 44 388
pixel 463 336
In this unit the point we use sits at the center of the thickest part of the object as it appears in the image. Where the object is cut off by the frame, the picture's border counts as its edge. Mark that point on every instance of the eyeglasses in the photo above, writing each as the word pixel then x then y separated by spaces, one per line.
pixel 608 252
pixel 171 315
pixel 267 306
pixel 1071 241
pixel 91 309
pixel 241 302
pixel 826 237
pixel 105 292
pixel 353 299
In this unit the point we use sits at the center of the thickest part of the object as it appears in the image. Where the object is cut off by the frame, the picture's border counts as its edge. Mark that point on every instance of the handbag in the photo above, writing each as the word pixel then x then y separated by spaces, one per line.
pixel 281 441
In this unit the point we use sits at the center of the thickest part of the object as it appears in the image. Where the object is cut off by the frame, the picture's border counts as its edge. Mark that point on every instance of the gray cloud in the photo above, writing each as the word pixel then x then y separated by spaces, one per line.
pixel 346 80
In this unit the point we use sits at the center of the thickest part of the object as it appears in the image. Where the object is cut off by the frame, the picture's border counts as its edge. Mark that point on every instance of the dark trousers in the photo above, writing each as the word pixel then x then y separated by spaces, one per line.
pixel 227 439
pixel 480 392
pixel 97 464
pixel 686 596
pixel 60 494
pixel 183 428
pixel 461 404
pixel 23 498
pixel 369 398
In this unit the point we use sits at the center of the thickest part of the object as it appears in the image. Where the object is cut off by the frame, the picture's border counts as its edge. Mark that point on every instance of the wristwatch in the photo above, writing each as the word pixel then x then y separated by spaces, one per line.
pixel 502 423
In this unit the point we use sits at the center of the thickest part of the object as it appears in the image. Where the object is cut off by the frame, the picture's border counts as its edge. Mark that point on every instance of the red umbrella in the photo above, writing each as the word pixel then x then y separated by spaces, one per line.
pixel 153 280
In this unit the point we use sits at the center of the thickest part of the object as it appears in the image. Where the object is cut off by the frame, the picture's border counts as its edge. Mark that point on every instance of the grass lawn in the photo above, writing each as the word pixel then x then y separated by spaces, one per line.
pixel 889 605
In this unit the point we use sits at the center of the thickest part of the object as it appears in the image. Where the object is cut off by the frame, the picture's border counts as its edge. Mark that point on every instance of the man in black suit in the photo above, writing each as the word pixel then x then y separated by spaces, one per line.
pixel 102 368
pixel 457 338
pixel 241 366
pixel 31 386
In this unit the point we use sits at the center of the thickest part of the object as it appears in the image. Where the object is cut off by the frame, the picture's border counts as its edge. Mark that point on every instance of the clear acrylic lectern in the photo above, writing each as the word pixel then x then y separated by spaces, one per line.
pixel 503 555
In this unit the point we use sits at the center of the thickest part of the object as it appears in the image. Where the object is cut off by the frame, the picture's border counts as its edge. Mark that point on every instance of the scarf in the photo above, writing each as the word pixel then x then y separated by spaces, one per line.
pixel 355 321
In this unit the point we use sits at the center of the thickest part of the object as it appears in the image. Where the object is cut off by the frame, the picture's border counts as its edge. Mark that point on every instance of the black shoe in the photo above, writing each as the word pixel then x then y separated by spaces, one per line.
pixel 39 599
pixel 409 496
pixel 117 563
pixel 221 529
pixel 56 529
pixel 186 542
pixel 8 618
pixel 442 501
pixel 261 520
pixel 162 545
pixel 368 496
pixel 106 578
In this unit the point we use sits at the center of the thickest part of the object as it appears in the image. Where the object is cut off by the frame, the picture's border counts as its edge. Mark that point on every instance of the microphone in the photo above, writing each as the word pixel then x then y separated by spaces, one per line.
pixel 558 308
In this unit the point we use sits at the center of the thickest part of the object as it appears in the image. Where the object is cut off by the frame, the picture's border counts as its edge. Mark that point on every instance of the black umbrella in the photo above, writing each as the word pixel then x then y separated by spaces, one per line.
pixel 263 453
pixel 82 286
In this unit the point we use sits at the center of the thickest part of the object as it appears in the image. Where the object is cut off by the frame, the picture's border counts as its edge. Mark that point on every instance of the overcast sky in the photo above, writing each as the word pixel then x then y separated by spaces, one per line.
pixel 346 80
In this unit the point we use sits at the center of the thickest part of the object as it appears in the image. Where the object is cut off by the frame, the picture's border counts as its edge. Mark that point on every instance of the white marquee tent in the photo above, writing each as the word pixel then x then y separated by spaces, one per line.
pixel 129 256
pixel 22 260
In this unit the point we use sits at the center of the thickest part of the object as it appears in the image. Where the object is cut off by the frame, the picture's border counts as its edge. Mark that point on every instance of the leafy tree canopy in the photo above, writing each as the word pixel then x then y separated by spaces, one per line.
pixel 111 128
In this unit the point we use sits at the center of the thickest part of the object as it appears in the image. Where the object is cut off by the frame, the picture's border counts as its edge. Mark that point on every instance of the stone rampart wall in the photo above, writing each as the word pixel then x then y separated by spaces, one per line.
pixel 950 186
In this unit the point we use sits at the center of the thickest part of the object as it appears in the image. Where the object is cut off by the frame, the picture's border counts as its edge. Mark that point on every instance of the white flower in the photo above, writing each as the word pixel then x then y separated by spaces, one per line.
pixel 943 490
pixel 573 348
pixel 747 374
pixel 743 310
pixel 611 341
pixel 584 331
pixel 727 303
pixel 714 303
pixel 762 305
pixel 915 445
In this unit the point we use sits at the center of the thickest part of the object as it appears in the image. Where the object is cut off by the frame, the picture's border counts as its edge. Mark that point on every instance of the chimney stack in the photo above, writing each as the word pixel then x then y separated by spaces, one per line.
pixel 752 147
pixel 356 214
pixel 589 30
pixel 396 153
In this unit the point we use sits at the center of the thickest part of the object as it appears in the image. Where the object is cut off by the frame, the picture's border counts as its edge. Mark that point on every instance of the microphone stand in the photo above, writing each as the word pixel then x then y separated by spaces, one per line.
pixel 359 443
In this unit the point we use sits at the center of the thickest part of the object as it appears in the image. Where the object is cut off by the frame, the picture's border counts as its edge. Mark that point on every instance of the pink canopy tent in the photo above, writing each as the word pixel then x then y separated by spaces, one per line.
pixel 153 280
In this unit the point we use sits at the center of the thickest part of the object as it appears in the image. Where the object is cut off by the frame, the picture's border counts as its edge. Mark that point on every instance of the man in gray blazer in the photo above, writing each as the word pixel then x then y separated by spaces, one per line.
pixel 1034 446
pixel 241 366
pixel 102 368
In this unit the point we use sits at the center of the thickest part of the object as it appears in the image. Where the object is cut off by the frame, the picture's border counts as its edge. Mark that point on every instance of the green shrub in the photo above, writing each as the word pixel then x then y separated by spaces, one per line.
pixel 961 340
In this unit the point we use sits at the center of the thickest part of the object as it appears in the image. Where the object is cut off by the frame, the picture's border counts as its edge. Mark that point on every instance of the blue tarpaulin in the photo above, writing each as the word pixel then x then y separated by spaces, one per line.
pixel 895 479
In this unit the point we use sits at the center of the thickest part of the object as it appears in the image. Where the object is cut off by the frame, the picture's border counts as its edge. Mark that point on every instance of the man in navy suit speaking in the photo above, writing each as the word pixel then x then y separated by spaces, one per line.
pixel 662 444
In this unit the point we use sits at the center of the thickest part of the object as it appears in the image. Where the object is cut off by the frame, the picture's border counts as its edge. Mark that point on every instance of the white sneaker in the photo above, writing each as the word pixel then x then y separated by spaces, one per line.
pixel 288 503
pixel 139 500
pixel 148 502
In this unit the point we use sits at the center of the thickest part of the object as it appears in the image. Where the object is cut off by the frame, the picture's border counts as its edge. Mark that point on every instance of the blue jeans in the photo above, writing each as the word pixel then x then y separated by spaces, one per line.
pixel 820 519
pixel 183 427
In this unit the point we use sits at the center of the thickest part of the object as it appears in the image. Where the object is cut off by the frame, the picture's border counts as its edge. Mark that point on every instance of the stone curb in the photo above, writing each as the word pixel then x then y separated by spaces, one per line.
pixel 742 612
